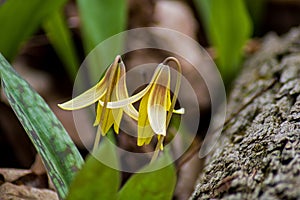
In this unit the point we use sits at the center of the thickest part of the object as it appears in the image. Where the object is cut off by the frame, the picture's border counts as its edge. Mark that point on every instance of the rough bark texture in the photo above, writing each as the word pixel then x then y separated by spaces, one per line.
pixel 258 154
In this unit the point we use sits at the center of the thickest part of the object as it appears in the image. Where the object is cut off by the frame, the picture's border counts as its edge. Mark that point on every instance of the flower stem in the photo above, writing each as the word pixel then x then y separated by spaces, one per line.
pixel 177 87
pixel 97 139
pixel 157 148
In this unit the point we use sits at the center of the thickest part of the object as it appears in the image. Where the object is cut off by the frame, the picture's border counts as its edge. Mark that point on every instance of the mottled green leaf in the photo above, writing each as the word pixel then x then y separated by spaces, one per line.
pixel 157 184
pixel 60 37
pixel 96 180
pixel 19 19
pixel 49 137
pixel 99 21
pixel 228 27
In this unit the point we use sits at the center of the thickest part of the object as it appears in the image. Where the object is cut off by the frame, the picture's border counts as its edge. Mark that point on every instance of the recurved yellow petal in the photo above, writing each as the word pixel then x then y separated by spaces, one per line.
pixel 158 101
pixel 117 113
pixel 122 93
pixel 107 120
pixel 89 97
pixel 85 99
pixel 124 102
pixel 168 99
pixel 180 111
pixel 145 132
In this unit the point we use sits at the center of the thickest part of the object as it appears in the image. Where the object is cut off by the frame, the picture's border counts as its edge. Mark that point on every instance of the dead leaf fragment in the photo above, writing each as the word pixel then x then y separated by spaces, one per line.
pixel 9 191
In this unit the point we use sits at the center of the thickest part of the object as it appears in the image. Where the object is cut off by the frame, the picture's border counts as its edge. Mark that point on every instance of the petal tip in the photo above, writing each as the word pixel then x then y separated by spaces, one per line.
pixel 140 142
pixel 180 111
pixel 63 106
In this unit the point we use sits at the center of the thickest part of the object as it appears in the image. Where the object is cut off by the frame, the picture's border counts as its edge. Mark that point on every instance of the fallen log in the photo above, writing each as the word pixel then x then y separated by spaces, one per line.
pixel 258 153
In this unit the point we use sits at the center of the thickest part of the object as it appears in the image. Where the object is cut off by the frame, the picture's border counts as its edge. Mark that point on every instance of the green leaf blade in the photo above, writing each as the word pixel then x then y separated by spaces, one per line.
pixel 158 184
pixel 228 27
pixel 101 20
pixel 96 180
pixel 50 139
pixel 60 37
pixel 20 19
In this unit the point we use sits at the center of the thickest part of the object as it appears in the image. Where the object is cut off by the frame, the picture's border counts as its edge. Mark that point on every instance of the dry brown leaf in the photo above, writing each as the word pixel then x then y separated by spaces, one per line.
pixel 9 191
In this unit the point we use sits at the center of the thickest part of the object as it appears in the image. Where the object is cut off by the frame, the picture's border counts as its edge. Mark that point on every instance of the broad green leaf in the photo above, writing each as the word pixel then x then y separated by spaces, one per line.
pixel 99 21
pixel 59 154
pixel 256 10
pixel 96 180
pixel 158 184
pixel 228 27
pixel 59 35
pixel 19 19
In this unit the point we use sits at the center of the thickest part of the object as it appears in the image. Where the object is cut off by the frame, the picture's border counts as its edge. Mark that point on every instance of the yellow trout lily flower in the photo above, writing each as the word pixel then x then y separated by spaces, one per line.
pixel 104 91
pixel 156 107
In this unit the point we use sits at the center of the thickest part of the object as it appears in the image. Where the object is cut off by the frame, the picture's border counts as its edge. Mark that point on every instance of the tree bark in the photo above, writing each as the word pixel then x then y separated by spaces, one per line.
pixel 258 153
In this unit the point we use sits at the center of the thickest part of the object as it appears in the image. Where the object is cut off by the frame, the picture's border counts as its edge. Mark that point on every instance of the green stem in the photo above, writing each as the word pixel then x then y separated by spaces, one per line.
pixel 157 148
pixel 177 87
pixel 97 139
